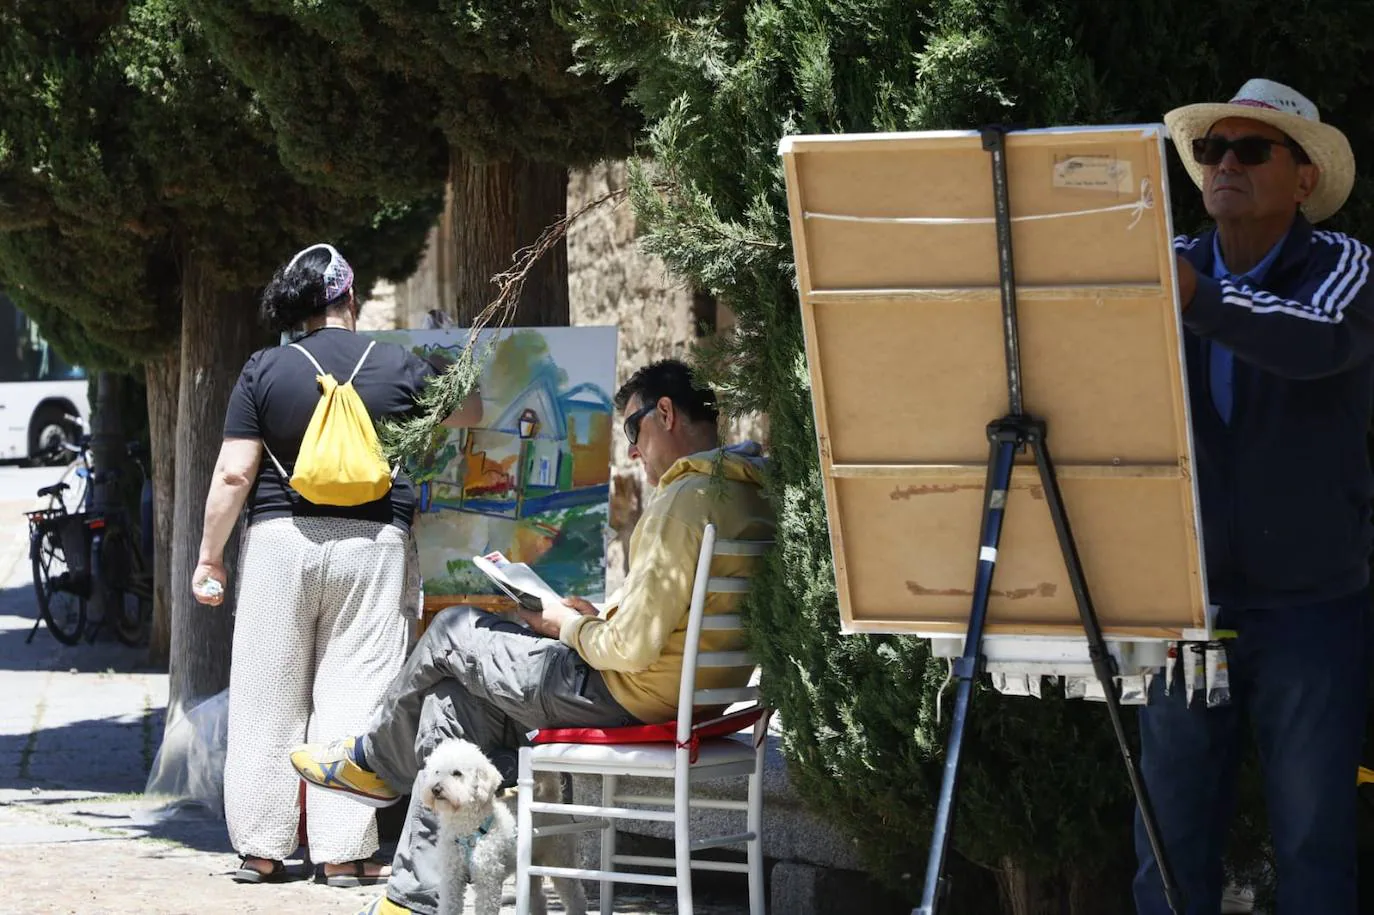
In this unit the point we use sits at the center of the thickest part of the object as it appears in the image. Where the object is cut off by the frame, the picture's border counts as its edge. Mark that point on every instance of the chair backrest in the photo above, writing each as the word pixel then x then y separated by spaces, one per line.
pixel 698 621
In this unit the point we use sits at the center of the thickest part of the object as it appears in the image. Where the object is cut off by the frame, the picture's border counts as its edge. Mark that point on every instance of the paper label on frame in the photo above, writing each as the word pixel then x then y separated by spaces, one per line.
pixel 1094 173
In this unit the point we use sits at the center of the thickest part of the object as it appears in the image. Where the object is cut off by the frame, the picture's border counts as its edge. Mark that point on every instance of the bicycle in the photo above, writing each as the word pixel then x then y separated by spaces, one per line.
pixel 78 555
pixel 58 554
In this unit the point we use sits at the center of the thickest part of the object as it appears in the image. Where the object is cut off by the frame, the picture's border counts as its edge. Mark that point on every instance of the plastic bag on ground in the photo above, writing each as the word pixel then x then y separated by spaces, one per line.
pixel 189 766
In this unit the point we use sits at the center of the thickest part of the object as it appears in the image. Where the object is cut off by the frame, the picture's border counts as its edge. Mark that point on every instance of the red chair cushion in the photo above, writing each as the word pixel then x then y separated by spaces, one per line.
pixel 719 726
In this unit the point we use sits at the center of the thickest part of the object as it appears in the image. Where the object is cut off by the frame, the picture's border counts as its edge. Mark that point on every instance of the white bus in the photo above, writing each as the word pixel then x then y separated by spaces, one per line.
pixel 42 398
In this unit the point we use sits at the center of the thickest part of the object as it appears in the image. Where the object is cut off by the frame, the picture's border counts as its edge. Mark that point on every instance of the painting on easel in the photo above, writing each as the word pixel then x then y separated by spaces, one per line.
pixel 533 479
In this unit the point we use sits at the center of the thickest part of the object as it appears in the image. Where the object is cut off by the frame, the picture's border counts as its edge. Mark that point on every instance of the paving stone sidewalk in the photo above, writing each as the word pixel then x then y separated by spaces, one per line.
pixel 79 728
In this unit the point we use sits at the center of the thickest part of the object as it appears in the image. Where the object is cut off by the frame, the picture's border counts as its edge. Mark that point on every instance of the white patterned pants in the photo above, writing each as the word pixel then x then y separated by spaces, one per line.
pixel 317 640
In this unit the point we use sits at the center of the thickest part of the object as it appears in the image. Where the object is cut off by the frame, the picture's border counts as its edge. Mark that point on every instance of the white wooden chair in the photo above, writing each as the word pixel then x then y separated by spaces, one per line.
pixel 685 752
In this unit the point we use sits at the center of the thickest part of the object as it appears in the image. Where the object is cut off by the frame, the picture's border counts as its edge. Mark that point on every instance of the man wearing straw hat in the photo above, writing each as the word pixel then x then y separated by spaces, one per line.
pixel 1280 329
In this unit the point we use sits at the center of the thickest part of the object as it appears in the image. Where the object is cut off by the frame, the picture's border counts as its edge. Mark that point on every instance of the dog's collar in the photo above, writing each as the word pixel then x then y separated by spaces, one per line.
pixel 469 842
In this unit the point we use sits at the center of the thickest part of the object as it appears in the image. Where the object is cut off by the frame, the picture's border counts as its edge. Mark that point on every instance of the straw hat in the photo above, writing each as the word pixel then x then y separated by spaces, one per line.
pixel 1279 106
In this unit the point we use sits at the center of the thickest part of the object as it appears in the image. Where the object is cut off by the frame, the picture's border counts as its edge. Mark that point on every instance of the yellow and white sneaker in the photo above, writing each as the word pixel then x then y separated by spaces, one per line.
pixel 333 767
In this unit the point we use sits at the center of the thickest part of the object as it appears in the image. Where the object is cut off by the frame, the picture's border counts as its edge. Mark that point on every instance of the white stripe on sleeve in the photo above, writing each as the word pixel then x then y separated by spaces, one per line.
pixel 1329 302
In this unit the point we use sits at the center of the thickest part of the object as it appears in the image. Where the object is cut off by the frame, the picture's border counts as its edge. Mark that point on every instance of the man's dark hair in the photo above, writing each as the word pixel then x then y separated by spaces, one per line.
pixel 673 379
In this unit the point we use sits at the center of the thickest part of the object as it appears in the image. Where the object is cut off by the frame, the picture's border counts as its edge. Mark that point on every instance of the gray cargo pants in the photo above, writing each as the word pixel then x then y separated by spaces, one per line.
pixel 475 676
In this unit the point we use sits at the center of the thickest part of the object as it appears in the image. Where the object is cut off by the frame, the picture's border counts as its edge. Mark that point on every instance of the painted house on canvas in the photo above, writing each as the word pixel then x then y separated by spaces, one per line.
pixel 533 480
pixel 545 452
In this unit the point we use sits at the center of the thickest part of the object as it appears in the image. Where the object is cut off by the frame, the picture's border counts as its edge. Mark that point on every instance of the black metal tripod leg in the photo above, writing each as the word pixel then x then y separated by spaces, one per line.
pixel 1002 453
pixel 1103 663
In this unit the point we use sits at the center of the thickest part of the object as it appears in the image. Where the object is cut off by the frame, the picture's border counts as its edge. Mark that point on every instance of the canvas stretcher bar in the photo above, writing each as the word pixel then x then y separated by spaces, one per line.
pixel 897 267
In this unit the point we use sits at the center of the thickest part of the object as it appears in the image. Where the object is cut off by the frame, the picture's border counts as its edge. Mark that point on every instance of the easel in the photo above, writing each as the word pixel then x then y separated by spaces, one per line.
pixel 1007 437
pixel 438 603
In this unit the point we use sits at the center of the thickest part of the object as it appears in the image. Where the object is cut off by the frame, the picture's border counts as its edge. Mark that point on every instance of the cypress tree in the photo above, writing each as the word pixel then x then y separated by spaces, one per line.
pixel 400 97
pixel 142 202
pixel 1045 805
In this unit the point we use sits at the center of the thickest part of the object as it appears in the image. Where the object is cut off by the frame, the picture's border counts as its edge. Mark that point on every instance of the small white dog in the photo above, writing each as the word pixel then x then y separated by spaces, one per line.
pixel 477 833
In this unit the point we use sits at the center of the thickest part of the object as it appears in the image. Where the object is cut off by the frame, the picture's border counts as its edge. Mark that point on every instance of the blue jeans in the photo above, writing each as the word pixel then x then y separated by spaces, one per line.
pixel 1300 677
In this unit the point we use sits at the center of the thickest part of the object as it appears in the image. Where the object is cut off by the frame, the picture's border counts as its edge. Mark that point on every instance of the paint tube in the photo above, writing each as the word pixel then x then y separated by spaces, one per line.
pixel 1218 676
pixel 1170 662
pixel 1194 671
pixel 1133 689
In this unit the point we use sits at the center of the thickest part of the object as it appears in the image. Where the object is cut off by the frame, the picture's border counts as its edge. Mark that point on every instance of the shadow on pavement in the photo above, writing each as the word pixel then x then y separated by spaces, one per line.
pixel 102 755
pixel 19 609
pixel 187 824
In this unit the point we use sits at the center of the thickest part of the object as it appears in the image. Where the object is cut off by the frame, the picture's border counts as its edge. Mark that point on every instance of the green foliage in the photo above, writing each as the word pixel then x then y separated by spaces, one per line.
pixel 370 95
pixel 124 149
pixel 381 96
pixel 413 439
pixel 71 194
pixel 389 242
pixel 719 84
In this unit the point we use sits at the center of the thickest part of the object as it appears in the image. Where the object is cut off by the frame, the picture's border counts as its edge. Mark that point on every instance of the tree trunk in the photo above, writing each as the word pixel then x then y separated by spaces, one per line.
pixel 495 209
pixel 107 452
pixel 163 380
pixel 1023 893
pixel 218 332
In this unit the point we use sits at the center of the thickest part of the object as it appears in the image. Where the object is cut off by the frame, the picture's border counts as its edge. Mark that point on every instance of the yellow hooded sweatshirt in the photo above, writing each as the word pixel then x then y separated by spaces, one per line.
pixel 637 643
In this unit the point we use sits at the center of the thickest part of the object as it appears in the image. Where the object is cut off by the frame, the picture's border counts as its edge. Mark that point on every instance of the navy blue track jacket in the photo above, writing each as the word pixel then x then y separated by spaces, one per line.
pixel 1286 485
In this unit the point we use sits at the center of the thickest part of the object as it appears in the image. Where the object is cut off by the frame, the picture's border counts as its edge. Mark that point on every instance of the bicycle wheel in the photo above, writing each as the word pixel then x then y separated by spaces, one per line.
pixel 120 570
pixel 63 611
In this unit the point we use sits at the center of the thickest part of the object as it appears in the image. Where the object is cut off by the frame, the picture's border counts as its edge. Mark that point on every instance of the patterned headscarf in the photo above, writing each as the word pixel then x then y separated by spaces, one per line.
pixel 338 276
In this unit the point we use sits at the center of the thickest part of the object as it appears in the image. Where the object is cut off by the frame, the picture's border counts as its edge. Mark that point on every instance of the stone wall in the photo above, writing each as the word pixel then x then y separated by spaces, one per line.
pixel 415 297
pixel 378 310
pixel 611 281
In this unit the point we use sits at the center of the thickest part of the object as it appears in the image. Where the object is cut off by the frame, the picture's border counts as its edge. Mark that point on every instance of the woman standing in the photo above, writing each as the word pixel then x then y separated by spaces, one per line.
pixel 319 633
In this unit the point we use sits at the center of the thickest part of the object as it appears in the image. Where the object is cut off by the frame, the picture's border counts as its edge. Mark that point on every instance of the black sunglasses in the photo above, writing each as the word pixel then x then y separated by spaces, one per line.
pixel 1250 150
pixel 633 420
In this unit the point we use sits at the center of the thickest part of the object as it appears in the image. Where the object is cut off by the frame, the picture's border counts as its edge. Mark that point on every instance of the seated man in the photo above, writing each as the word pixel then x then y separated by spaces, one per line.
pixel 476 676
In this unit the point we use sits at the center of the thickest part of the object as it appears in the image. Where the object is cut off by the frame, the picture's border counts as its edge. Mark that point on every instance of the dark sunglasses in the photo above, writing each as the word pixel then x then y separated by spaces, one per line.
pixel 1250 150
pixel 633 420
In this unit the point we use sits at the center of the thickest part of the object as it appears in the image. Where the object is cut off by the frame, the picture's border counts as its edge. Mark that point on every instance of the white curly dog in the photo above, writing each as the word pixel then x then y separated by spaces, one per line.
pixel 477 833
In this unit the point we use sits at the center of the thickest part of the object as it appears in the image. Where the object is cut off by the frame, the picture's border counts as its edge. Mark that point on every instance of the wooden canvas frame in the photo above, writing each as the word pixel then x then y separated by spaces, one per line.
pixel 897 271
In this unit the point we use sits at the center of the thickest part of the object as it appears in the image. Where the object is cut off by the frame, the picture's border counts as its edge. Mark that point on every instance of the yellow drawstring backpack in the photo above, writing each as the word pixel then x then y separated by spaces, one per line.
pixel 340 461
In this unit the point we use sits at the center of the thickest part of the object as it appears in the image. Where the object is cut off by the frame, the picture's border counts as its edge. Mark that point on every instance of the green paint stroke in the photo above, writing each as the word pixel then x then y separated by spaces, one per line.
pixel 520 360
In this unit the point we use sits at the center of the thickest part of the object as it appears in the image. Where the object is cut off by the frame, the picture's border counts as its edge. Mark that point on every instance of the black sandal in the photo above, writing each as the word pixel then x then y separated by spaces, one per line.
pixel 246 874
pixel 359 875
